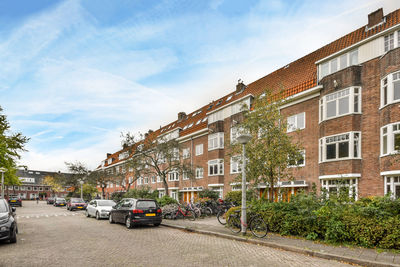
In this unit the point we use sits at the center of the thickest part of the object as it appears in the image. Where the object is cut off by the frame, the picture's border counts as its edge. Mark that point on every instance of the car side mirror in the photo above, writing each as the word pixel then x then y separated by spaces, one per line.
pixel 113 206
pixel 13 209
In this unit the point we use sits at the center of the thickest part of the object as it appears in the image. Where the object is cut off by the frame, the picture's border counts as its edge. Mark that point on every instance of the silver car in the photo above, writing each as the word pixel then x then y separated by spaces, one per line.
pixel 99 208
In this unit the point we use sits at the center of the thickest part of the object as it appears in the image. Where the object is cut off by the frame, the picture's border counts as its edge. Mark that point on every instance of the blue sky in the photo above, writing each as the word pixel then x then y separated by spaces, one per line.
pixel 75 74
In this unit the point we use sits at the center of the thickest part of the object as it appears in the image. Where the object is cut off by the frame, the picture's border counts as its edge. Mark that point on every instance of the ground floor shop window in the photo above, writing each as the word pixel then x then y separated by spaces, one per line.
pixel 392 186
pixel 340 187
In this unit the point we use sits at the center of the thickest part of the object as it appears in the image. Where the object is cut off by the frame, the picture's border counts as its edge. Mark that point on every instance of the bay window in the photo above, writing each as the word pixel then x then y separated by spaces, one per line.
pixel 340 147
pixel 217 116
pixel 215 141
pixel 390 89
pixel 338 63
pixel 340 103
pixel 215 167
pixel 390 138
pixel 341 187
pixel 236 165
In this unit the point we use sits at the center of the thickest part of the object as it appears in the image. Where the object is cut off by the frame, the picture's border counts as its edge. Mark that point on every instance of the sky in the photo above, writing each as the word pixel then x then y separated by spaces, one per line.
pixel 74 74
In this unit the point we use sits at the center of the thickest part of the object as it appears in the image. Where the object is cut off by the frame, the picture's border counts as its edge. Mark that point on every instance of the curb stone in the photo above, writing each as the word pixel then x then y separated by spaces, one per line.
pixel 308 252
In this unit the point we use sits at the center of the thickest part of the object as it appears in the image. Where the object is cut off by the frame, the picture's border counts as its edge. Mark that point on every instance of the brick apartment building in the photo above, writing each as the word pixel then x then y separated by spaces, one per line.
pixel 32 185
pixel 344 100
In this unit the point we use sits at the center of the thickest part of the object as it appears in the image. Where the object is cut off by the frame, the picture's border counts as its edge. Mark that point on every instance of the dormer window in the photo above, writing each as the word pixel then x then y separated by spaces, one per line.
pixel 338 63
pixel 229 98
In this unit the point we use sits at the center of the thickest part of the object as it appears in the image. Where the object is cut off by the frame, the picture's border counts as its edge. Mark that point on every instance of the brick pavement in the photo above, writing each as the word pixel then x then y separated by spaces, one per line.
pixel 74 240
pixel 363 256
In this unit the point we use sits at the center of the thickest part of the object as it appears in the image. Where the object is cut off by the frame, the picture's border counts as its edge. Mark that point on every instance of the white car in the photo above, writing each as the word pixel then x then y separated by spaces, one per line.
pixel 99 208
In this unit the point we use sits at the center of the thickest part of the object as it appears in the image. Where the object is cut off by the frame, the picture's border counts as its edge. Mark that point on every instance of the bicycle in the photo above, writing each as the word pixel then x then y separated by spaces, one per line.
pixel 256 224
pixel 179 213
pixel 222 212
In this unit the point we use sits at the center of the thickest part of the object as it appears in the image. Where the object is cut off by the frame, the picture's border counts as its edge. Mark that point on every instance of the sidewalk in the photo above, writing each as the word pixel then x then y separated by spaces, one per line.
pixel 360 256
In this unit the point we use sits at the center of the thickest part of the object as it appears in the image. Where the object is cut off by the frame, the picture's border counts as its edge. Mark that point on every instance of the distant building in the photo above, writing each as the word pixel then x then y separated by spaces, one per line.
pixel 32 185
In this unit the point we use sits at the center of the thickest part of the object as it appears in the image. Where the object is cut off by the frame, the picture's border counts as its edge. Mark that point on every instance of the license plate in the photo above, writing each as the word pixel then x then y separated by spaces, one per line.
pixel 79 207
pixel 150 214
pixel 61 204
pixel 13 201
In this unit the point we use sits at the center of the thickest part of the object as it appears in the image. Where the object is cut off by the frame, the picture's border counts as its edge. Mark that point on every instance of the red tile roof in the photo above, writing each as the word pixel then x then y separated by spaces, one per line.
pixel 293 78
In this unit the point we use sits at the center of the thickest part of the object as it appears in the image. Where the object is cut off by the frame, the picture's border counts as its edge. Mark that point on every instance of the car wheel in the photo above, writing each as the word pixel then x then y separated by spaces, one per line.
pixel 97 215
pixel 128 223
pixel 110 219
pixel 157 224
pixel 87 214
pixel 13 239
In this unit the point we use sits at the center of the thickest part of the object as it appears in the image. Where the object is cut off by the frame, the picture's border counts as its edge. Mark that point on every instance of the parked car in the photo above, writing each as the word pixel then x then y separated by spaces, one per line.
pixel 15 201
pixel 100 208
pixel 50 200
pixel 8 222
pixel 76 204
pixel 59 201
pixel 132 212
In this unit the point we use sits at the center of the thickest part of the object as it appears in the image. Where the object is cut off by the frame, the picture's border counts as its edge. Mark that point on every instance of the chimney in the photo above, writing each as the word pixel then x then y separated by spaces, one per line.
pixel 375 18
pixel 108 155
pixel 240 86
pixel 181 116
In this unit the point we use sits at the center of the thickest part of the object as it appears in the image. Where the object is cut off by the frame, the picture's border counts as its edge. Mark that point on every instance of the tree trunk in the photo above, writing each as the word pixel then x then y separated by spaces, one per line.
pixel 103 194
pixel 165 185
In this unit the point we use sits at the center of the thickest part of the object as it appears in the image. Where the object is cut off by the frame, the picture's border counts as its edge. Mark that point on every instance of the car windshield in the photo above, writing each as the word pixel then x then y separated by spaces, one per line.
pixel 105 203
pixel 148 204
pixel 13 198
pixel 60 199
pixel 3 207
pixel 77 200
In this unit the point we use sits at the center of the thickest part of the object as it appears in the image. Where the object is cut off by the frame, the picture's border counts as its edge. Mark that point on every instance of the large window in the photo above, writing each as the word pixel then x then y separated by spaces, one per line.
pixel 340 147
pixel 390 89
pixel 341 187
pixel 300 162
pixel 236 166
pixel 217 116
pixel 186 153
pixel 199 173
pixel 216 167
pixel 340 103
pixel 173 176
pixel 199 150
pixel 216 141
pixel 338 63
pixel 296 122
pixel 392 41
pixel 390 138
pixel 392 186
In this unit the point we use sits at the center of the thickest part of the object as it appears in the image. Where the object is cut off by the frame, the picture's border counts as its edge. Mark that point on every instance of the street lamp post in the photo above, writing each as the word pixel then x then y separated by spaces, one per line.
pixel 2 170
pixel 81 182
pixel 244 139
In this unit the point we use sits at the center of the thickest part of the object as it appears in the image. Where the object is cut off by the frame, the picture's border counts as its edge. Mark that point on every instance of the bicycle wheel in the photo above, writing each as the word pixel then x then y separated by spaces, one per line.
pixel 234 223
pixel 197 212
pixel 208 211
pixel 221 216
pixel 258 227
pixel 191 215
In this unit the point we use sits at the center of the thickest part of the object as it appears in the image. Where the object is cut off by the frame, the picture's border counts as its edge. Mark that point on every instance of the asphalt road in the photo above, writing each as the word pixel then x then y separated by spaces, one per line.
pixel 50 236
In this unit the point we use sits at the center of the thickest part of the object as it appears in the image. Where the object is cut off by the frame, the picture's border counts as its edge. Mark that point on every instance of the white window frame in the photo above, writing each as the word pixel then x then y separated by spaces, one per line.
pixel 354 93
pixel 139 181
pixel 351 183
pixel 219 163
pixel 199 173
pixel 351 139
pixel 185 175
pixel 153 179
pixel 388 83
pixel 303 153
pixel 173 176
pixel 216 116
pixel 291 127
pixel 389 131
pixel 236 164
pixel 386 41
pixel 158 179
pixel 216 141
pixel 326 68
pixel 390 184
pixel 199 149
pixel 175 154
pixel 186 153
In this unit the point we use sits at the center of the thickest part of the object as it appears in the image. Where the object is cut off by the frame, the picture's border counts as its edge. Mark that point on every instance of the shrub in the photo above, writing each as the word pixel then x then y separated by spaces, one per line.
pixel 206 193
pixel 166 200
pixel 236 196
pixel 141 193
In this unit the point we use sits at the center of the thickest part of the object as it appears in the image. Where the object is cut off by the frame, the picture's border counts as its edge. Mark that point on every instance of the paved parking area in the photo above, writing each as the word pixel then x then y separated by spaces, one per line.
pixel 51 236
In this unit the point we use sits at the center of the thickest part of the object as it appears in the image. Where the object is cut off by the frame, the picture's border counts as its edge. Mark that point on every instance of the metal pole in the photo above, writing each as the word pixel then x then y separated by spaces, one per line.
pixel 2 184
pixel 81 190
pixel 244 219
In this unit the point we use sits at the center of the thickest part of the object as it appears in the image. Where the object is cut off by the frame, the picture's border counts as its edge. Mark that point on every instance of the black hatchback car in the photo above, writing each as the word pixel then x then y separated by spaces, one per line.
pixel 59 201
pixel 14 201
pixel 8 222
pixel 132 212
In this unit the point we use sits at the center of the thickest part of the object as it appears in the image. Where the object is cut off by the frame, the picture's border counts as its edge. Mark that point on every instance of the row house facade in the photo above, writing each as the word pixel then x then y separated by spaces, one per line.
pixel 343 106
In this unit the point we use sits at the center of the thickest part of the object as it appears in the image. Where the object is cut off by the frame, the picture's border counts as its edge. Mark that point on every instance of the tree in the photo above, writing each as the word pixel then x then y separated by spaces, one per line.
pixel 156 156
pixel 54 184
pixel 77 172
pixel 271 150
pixel 100 178
pixel 11 145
